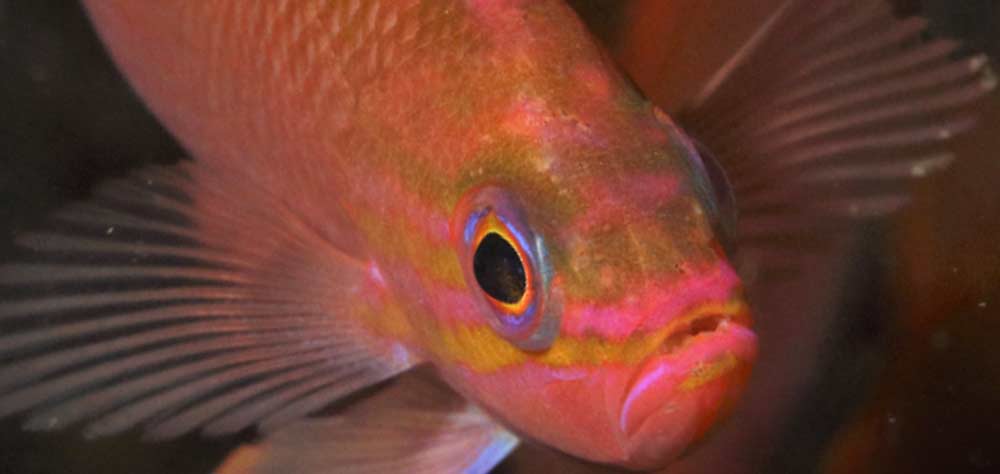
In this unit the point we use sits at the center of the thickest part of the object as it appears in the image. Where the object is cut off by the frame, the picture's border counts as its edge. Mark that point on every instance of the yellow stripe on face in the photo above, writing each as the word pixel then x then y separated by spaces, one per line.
pixel 437 260
pixel 481 349
pixel 707 372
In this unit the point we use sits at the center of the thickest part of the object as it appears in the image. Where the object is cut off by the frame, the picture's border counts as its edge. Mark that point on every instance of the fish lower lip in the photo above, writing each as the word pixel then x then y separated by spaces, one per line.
pixel 670 381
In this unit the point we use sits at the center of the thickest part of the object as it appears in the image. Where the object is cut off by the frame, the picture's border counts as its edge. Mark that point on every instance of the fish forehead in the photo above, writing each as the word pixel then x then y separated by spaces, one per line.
pixel 600 178
pixel 605 201
pixel 519 99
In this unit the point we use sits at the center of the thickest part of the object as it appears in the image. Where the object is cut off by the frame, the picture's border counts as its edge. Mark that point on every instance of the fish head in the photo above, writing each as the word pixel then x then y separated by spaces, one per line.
pixel 604 317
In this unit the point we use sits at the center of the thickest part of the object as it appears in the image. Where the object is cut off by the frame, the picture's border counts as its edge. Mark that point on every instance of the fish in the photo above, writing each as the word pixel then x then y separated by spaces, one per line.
pixel 454 227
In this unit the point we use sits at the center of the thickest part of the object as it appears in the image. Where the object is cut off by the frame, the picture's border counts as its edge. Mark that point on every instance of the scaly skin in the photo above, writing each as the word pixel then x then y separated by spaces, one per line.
pixel 371 120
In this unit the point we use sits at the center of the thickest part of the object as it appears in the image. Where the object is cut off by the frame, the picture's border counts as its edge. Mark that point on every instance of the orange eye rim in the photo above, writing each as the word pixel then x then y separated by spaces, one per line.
pixel 491 223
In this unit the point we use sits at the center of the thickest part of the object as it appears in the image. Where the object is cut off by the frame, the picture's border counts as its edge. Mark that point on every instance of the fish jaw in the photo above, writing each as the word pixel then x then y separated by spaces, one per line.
pixel 638 414
pixel 674 399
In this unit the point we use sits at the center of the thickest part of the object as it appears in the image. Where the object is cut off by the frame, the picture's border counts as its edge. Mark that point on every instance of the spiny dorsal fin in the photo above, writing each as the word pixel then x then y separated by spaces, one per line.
pixel 415 425
pixel 182 299
pixel 825 116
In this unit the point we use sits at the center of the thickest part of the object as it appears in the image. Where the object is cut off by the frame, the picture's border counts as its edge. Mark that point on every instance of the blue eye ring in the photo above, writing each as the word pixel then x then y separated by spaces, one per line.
pixel 532 321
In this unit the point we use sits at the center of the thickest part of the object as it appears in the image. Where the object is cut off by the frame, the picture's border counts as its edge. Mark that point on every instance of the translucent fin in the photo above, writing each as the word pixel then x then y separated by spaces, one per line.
pixel 414 425
pixel 826 114
pixel 182 299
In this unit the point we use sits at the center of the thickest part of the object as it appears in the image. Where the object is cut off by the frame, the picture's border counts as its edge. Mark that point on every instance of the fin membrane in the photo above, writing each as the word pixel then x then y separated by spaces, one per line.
pixel 182 299
pixel 826 115
pixel 414 425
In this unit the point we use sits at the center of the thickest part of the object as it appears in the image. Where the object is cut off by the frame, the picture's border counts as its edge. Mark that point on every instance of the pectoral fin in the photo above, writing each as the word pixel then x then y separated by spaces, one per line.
pixel 414 425
pixel 184 299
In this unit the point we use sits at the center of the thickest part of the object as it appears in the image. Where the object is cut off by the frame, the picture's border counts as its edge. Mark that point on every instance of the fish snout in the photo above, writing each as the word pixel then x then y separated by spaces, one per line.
pixel 679 393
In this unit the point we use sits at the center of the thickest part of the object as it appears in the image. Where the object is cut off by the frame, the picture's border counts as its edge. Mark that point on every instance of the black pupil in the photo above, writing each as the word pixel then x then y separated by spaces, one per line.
pixel 498 269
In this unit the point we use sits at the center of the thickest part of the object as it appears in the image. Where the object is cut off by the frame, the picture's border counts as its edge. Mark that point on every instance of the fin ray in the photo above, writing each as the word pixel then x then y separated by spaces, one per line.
pixel 412 425
pixel 146 307
pixel 821 135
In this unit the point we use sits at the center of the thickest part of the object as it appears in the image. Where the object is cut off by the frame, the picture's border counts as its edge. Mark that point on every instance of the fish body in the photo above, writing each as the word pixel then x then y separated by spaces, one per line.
pixel 378 124
pixel 463 196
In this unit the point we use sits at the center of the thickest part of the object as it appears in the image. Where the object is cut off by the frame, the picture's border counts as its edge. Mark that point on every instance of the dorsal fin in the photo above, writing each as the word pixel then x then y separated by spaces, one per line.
pixel 823 118
pixel 181 299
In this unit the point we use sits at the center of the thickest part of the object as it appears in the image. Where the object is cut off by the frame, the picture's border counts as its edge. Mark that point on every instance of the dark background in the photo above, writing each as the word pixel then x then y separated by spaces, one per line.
pixel 67 121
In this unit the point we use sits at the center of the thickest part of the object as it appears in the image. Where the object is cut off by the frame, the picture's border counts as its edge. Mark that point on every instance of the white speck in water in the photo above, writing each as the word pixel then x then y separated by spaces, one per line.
pixel 976 62
pixel 989 81
pixel 892 419
pixel 940 340
pixel 944 134
pixel 918 171
pixel 982 304
pixel 110 230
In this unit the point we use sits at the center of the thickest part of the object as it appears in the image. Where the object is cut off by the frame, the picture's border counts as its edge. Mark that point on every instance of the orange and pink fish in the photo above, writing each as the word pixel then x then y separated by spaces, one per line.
pixel 454 226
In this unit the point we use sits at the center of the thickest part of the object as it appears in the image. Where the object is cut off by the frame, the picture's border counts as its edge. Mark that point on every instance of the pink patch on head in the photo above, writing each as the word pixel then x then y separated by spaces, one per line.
pixel 651 307
pixel 652 189
pixel 639 192
pixel 527 117
pixel 595 80
pixel 533 117
pixel 498 17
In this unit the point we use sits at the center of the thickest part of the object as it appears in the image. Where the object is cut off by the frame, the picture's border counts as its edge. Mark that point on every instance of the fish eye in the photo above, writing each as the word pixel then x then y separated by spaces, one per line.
pixel 499 269
pixel 505 264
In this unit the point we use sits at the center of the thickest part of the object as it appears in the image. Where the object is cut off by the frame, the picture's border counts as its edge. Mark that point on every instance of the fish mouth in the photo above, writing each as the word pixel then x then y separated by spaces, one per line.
pixel 692 379
pixel 687 329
